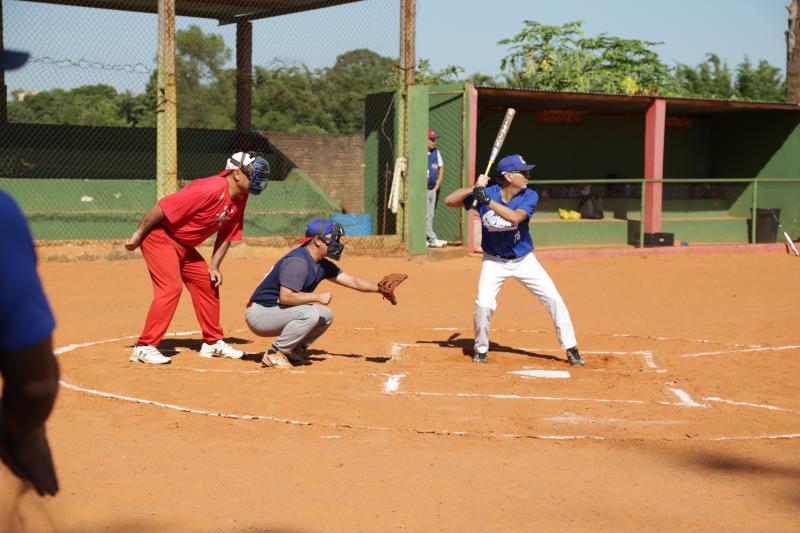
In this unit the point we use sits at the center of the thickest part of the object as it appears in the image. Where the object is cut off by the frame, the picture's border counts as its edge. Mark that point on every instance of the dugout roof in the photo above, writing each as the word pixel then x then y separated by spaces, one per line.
pixel 225 11
pixel 534 100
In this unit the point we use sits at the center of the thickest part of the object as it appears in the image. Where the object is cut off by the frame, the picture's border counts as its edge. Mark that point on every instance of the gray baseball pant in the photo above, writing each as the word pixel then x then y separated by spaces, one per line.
pixel 292 325
pixel 431 209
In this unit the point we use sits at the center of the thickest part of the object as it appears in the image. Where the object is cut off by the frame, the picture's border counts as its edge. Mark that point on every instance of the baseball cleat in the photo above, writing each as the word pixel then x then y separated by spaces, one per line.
pixel 220 349
pixel 273 357
pixel 574 356
pixel 149 355
pixel 298 355
pixel 481 357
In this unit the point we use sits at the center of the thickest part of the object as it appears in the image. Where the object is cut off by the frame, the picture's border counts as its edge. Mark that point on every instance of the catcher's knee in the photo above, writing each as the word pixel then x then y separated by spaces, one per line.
pixel 325 313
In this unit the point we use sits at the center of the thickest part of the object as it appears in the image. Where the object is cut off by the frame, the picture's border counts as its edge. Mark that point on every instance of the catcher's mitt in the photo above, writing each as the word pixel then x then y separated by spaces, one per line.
pixel 480 196
pixel 388 284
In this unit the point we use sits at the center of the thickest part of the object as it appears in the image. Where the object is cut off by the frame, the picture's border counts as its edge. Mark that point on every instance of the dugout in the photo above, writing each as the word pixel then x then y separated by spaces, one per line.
pixel 705 163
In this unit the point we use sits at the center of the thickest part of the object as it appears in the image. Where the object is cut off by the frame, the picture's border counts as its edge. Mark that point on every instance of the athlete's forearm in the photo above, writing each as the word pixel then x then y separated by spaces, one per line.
pixel 220 249
pixel 457 197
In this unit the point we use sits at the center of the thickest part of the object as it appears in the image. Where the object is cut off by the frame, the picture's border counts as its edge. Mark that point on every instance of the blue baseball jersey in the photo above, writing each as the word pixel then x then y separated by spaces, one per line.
pixel 25 315
pixel 499 237
pixel 297 271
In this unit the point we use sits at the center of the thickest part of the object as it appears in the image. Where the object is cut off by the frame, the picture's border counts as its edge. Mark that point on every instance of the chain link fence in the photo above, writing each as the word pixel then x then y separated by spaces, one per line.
pixel 78 142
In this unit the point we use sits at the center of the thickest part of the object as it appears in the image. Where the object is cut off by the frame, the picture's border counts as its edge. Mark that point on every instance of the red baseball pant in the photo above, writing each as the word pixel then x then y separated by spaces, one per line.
pixel 172 264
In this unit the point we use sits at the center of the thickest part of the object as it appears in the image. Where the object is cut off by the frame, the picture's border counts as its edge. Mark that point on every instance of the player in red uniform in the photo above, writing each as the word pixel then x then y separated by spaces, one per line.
pixel 168 235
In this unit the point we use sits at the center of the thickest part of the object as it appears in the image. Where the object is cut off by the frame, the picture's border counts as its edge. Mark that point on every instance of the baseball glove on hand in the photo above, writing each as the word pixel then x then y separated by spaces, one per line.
pixel 480 196
pixel 388 284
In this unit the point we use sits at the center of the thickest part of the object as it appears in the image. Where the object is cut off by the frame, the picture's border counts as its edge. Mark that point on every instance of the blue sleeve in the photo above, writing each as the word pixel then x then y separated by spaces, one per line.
pixel 468 201
pixel 293 273
pixel 25 315
pixel 330 269
pixel 530 200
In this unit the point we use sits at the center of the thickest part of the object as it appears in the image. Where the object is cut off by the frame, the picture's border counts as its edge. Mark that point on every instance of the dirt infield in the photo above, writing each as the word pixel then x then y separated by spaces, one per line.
pixel 686 415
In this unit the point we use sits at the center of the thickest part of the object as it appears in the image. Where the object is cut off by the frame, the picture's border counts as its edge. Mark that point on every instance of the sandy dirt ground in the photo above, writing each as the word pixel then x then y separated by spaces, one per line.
pixel 686 416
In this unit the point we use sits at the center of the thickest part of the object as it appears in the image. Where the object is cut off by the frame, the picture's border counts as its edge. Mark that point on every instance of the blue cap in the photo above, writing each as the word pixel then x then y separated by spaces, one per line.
pixel 513 163
pixel 319 227
pixel 9 59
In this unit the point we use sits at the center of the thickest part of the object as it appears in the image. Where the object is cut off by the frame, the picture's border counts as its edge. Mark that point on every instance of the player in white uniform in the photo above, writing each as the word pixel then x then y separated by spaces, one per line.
pixel 505 210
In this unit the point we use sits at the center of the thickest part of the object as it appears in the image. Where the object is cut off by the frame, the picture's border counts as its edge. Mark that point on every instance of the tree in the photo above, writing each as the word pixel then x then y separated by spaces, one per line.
pixel 290 98
pixel 711 79
pixel 793 53
pixel 561 58
pixel 90 105
pixel 345 86
pixel 761 83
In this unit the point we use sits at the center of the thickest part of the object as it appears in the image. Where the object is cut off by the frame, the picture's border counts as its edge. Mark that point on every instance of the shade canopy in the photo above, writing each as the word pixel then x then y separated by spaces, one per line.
pixel 225 11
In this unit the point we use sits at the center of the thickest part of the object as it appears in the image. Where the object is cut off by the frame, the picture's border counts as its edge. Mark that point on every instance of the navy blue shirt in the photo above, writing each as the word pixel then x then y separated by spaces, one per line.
pixel 499 237
pixel 297 271
pixel 25 316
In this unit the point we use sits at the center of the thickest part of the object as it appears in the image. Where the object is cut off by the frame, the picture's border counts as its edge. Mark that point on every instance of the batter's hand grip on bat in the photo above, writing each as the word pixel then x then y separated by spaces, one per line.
pixel 498 141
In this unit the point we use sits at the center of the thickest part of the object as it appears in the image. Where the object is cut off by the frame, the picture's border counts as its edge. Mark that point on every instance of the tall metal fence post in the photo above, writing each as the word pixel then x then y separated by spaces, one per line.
pixel 419 100
pixel 166 105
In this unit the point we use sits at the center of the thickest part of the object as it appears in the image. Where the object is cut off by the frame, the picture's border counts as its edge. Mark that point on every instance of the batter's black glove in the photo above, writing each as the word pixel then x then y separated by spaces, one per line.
pixel 480 196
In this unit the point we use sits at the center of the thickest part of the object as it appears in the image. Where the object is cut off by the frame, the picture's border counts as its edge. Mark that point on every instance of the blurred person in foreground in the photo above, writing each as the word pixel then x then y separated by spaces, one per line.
pixel 29 368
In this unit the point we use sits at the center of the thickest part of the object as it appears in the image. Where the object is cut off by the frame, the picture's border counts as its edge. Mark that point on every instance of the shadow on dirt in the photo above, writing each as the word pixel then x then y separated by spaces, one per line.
pixel 314 356
pixel 468 350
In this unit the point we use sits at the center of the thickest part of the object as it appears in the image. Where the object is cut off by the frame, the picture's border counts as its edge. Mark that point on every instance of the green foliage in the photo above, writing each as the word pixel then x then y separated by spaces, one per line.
pixel 711 79
pixel 295 98
pixel 90 105
pixel 714 79
pixel 562 58
pixel 425 75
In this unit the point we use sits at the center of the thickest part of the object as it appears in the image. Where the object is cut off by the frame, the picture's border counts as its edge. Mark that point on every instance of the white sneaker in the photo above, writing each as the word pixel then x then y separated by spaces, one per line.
pixel 220 349
pixel 150 355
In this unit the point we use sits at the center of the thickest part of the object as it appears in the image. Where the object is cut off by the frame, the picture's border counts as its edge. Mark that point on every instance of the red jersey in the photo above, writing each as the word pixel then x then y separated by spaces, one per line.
pixel 203 208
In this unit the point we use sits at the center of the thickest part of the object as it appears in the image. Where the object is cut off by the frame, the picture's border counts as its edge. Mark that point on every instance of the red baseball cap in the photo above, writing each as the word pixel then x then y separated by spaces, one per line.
pixel 432 135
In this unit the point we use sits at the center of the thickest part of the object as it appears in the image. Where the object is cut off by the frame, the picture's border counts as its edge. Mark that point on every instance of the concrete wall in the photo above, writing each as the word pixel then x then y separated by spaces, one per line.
pixel 334 162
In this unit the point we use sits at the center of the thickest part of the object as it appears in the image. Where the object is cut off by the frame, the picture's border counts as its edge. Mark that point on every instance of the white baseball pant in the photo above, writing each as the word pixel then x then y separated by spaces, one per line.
pixel 527 270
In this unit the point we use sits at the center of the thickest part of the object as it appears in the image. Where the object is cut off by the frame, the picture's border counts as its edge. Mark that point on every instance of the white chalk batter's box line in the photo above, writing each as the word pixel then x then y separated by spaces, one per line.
pixel 392 386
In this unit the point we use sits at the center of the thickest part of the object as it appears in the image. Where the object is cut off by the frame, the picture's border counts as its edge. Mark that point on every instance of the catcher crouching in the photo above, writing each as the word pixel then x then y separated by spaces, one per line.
pixel 286 303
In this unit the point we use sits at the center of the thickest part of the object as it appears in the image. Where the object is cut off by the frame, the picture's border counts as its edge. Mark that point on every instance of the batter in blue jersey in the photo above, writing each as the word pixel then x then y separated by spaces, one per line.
pixel 505 210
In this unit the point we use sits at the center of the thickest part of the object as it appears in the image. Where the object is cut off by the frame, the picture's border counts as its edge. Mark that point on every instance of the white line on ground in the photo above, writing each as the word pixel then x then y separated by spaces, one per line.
pixel 551 374
pixel 758 349
pixel 746 404
pixel 392 383
pixel 437 432
pixel 516 397
pixel 571 418
pixel 759 437
pixel 685 399
pixel 71 347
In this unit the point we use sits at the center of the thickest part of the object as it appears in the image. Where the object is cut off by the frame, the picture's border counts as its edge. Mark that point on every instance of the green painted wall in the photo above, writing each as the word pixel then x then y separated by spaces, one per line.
pixel 600 146
pixel 446 118
pixel 416 183
pixel 764 145
pixel 111 209
pixel 380 149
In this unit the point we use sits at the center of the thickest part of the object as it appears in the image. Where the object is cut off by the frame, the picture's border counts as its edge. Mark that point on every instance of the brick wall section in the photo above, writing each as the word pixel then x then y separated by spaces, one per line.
pixel 334 162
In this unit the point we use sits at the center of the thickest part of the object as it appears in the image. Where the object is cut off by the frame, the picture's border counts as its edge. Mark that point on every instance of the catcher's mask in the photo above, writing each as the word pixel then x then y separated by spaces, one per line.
pixel 329 232
pixel 255 166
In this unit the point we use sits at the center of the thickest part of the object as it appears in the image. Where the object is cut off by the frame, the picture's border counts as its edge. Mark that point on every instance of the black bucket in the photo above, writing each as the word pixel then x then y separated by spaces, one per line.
pixel 766 224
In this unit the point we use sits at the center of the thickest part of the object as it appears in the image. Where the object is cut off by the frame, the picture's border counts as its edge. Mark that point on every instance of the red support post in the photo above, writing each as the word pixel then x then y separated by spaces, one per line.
pixel 655 120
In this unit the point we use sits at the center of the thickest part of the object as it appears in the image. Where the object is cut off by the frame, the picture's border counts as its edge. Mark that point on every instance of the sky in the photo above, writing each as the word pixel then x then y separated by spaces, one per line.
pixel 74 46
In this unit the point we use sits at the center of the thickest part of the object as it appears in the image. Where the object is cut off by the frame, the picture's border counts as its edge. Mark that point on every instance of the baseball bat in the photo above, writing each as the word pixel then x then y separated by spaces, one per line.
pixel 498 141
pixel 789 242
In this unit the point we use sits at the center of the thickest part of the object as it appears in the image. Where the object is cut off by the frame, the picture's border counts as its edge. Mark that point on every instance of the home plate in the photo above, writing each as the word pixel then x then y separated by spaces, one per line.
pixel 552 374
